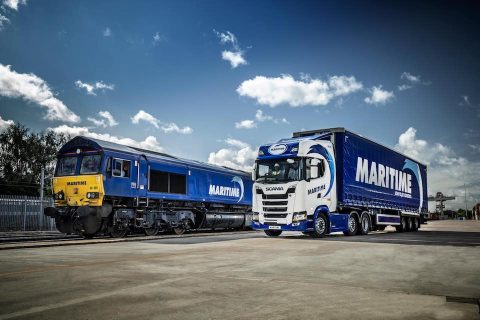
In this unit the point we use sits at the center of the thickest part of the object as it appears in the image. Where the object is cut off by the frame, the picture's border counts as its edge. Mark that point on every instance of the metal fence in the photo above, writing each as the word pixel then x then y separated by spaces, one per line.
pixel 24 213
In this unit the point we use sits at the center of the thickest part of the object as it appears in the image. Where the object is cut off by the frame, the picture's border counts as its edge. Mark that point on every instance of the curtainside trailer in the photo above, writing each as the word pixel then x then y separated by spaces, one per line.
pixel 333 180
pixel 104 187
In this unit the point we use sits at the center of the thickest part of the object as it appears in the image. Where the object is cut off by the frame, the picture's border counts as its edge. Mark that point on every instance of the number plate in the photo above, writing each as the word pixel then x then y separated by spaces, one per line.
pixel 274 227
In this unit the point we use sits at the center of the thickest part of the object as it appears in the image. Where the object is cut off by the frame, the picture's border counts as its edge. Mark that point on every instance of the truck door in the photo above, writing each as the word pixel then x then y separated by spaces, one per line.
pixel 320 171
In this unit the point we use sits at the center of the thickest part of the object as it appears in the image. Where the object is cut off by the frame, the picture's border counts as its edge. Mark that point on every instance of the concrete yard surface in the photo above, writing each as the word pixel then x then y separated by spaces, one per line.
pixel 384 275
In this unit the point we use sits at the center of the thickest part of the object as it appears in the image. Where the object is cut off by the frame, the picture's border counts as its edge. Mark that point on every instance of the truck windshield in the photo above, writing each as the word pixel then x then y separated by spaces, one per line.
pixel 66 166
pixel 90 164
pixel 278 170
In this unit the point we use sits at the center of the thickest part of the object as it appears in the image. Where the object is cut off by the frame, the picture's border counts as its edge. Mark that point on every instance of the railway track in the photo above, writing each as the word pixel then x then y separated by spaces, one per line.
pixel 27 242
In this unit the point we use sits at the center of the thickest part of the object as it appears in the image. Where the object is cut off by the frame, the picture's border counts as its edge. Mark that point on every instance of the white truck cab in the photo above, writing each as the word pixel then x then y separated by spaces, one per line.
pixel 292 179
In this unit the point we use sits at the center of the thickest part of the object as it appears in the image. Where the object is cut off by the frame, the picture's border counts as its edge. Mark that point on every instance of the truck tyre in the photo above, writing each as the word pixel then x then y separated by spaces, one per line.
pixel 320 226
pixel 364 226
pixel 273 233
pixel 409 224
pixel 403 225
pixel 352 224
pixel 415 224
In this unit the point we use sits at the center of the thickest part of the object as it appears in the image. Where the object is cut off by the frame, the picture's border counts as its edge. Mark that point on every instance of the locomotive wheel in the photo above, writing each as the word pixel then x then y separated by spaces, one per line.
pixel 151 231
pixel 179 231
pixel 87 235
pixel 118 232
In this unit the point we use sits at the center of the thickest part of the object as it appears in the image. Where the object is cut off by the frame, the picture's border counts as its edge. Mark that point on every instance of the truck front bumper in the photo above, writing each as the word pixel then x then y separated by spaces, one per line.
pixel 305 225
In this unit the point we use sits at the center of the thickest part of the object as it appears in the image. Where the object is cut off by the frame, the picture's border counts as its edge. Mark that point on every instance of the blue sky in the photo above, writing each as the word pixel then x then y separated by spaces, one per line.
pixel 201 70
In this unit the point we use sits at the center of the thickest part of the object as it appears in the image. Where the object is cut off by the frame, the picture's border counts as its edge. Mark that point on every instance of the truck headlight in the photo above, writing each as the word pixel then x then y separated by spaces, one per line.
pixel 299 216
pixel 255 216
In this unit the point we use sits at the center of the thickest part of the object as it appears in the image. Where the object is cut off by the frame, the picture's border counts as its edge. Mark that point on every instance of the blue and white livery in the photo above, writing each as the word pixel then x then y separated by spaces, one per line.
pixel 333 180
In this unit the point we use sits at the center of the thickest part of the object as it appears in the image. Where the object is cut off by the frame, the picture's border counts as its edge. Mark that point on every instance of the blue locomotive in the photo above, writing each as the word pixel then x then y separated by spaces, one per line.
pixel 104 187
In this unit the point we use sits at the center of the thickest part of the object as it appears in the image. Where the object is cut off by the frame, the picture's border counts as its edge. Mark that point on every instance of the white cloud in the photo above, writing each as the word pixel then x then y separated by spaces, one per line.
pixel 260 116
pixel 465 101
pixel 157 38
pixel 475 147
pixel 34 89
pixel 407 76
pixel 404 87
pixel 4 124
pixel 166 127
pixel 3 21
pixel 227 37
pixel 173 127
pixel 150 143
pixel 342 85
pixel 107 121
pixel 92 87
pixel 446 171
pixel 13 4
pixel 238 155
pixel 379 96
pixel 107 32
pixel 245 124
pixel 234 57
pixel 410 81
pixel 147 117
pixel 296 93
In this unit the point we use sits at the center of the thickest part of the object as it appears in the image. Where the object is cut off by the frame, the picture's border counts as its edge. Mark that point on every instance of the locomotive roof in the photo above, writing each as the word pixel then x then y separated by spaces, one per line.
pixel 81 141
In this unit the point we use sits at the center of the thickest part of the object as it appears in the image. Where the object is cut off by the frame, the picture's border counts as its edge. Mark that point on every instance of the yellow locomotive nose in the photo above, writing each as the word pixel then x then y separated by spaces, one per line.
pixel 83 190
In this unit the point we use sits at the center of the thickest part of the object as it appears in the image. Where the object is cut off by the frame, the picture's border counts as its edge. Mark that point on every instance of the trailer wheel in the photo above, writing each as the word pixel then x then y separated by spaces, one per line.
pixel 273 233
pixel 364 227
pixel 409 224
pixel 415 224
pixel 352 224
pixel 320 226
pixel 403 225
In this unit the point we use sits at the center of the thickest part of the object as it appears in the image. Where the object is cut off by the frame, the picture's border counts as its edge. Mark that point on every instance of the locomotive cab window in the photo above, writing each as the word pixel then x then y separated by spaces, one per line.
pixel 121 168
pixel 167 182
pixel 90 164
pixel 66 166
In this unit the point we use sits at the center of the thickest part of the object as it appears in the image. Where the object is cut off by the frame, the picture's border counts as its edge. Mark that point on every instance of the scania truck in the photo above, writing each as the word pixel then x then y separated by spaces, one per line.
pixel 334 180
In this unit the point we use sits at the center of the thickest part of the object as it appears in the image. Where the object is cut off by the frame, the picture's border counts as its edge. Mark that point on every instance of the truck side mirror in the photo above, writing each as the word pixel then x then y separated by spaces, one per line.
pixel 253 174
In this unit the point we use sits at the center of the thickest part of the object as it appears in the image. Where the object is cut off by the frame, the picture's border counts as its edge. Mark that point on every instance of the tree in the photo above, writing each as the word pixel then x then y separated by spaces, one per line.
pixel 23 154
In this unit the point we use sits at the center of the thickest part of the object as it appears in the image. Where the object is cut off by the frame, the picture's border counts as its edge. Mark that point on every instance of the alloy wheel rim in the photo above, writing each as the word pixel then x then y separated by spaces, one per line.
pixel 320 225
pixel 351 224
pixel 365 223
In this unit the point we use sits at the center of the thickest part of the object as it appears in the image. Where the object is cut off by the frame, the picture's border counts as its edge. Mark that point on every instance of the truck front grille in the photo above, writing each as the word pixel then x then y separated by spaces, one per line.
pixel 276 215
pixel 275 196
pixel 274 209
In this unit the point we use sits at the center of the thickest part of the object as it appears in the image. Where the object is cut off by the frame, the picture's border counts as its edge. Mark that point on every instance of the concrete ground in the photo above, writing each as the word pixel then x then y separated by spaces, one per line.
pixel 248 276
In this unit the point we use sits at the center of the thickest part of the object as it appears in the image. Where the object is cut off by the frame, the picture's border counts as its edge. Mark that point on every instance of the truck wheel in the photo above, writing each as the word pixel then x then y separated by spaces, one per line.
pixel 320 226
pixel 352 225
pixel 409 224
pixel 364 227
pixel 415 224
pixel 403 225
pixel 273 233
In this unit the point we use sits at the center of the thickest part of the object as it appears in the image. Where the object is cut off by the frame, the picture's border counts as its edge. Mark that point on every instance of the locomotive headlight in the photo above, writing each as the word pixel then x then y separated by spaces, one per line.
pixel 92 195
pixel 299 216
